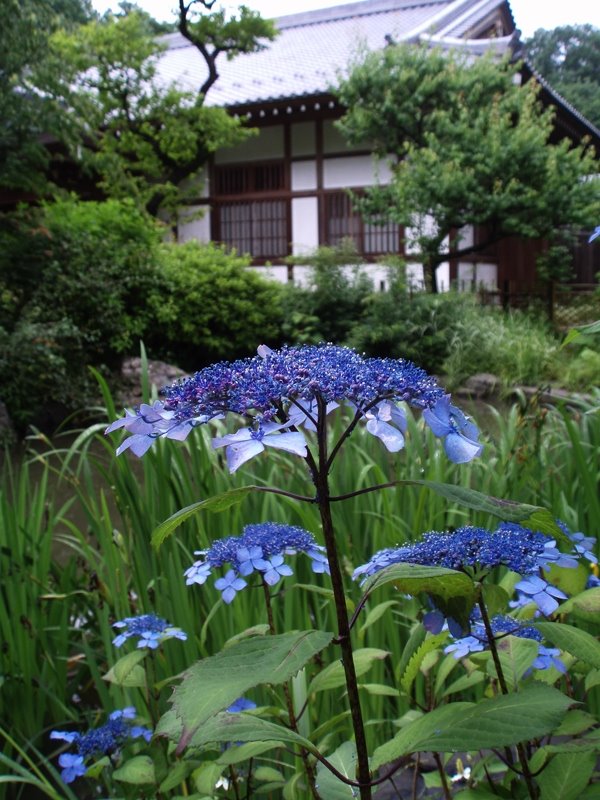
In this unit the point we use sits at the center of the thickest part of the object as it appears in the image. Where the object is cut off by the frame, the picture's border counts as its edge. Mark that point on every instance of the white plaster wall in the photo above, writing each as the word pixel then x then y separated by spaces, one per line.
pixel 414 276
pixel 273 272
pixel 303 139
pixel 305 225
pixel 443 277
pixel 349 171
pixel 474 276
pixel 267 145
pixel 193 222
pixel 304 176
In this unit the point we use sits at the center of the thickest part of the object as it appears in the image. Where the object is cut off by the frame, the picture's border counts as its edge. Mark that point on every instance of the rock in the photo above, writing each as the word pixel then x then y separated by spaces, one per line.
pixel 159 373
pixel 484 384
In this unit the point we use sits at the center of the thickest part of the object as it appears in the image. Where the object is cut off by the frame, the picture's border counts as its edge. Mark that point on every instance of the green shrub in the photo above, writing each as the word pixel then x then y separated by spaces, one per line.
pixel 331 304
pixel 213 307
pixel 417 326
pixel 583 371
pixel 74 281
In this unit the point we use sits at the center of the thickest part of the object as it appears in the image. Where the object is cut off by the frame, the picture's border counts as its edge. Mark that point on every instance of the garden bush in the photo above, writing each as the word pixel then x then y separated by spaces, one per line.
pixel 75 278
pixel 331 304
pixel 212 306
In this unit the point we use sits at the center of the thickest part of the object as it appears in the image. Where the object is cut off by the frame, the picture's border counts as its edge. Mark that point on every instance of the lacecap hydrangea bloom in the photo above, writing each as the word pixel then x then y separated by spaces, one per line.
pixel 106 740
pixel 282 392
pixel 260 548
pixel 151 631
pixel 476 551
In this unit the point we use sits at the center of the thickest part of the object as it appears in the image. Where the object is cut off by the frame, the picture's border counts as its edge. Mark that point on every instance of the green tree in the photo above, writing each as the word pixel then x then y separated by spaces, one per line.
pixel 568 57
pixel 139 135
pixel 467 145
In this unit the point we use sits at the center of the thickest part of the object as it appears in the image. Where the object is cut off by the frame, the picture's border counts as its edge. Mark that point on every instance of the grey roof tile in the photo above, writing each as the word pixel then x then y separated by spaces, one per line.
pixel 312 47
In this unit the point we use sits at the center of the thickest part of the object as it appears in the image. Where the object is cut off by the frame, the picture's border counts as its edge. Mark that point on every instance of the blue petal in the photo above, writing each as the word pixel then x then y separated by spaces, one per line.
pixel 459 449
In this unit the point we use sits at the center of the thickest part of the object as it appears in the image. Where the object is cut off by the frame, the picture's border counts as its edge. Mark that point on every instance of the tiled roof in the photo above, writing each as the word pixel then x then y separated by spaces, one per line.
pixel 311 48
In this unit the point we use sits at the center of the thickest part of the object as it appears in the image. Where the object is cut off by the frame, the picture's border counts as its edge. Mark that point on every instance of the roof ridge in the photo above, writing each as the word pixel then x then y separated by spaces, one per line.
pixel 363 8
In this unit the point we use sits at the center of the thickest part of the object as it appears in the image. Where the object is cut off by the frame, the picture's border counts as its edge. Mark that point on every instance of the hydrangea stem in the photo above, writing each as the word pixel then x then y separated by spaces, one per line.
pixel 531 787
pixel 363 774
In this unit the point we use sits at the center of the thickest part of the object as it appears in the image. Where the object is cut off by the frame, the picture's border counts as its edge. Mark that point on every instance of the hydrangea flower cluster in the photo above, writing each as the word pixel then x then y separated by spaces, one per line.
pixel 503 625
pixel 103 741
pixel 261 548
pixel 477 551
pixel 150 630
pixel 280 391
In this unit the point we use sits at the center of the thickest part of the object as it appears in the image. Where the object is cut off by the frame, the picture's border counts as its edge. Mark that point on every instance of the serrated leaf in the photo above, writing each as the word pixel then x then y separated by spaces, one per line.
pixel 127 670
pixel 578 643
pixel 215 504
pixel 414 579
pixel 214 683
pixel 566 776
pixel 417 636
pixel 139 769
pixel 516 656
pixel 344 760
pixel 585 605
pixel 412 668
pixel 575 722
pixel 498 722
pixel 333 675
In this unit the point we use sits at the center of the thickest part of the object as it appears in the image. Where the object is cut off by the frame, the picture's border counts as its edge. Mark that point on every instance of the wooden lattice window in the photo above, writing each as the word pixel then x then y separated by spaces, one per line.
pixel 258 227
pixel 343 222
pixel 246 178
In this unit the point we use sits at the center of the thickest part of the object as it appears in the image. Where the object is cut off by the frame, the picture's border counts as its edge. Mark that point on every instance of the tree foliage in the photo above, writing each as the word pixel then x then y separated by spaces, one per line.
pixel 568 57
pixel 467 145
pixel 140 134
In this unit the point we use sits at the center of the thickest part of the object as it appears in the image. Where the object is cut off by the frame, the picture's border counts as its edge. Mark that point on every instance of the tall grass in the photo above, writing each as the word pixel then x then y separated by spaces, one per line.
pixel 69 571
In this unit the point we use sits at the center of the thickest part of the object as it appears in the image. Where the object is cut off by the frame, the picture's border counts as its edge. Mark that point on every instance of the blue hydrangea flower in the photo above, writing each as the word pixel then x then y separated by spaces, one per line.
pixel 151 631
pixel 549 657
pixel 249 442
pixel 459 433
pixel 462 647
pixel 72 767
pixel 282 390
pixel 104 740
pixel 241 704
pixel 582 544
pixel 230 585
pixel 468 548
pixel 261 548
pixel 542 593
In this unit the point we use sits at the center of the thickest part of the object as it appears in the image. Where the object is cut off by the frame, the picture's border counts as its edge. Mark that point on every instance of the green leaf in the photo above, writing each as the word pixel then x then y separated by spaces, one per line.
pixel 255 630
pixel 574 333
pixel 578 643
pixel 414 579
pixel 226 727
pixel 575 722
pixel 571 580
pixel 495 598
pixel 333 675
pixel 213 684
pixel 139 769
pixel 498 722
pixel 585 605
pixel 344 760
pixel 217 503
pixel 127 670
pixel 430 644
pixel 244 752
pixel 324 592
pixel 416 638
pixel 516 657
pixel 379 689
pixel 464 682
pixel 268 774
pixel 566 776
pixel 206 776
pixel 176 776
pixel 376 613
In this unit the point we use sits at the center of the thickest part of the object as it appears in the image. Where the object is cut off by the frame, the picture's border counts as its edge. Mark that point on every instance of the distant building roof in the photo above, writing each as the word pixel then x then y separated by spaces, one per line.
pixel 313 46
